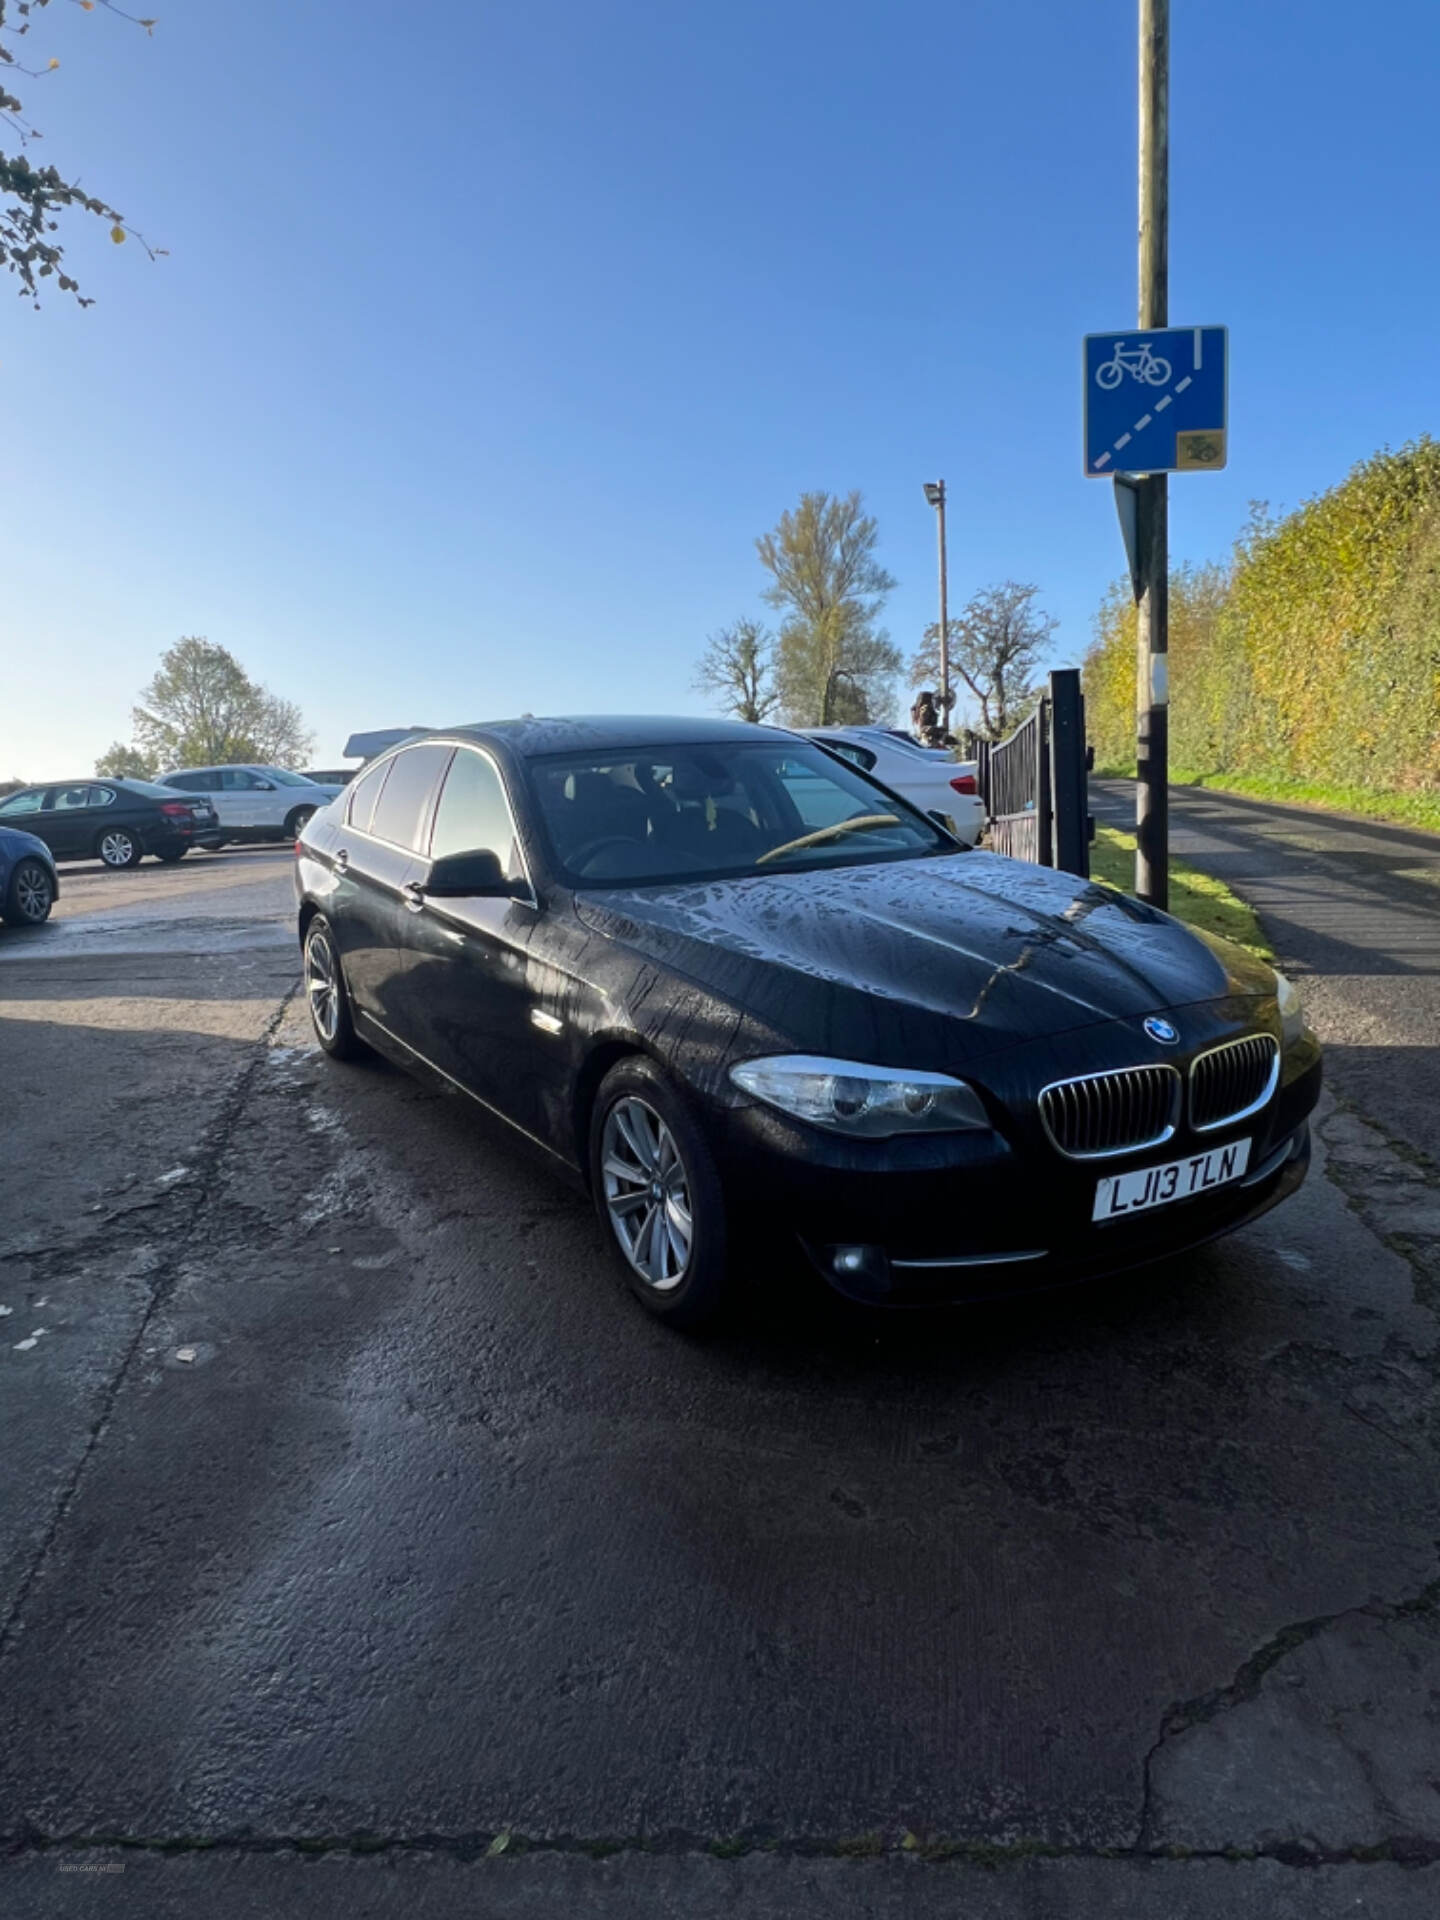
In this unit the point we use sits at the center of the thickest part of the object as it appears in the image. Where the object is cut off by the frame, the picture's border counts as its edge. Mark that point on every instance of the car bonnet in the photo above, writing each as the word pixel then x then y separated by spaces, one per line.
pixel 1013 951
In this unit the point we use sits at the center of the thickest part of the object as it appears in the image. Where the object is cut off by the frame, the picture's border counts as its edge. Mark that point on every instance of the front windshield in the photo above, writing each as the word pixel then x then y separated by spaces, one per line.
pixel 631 817
pixel 284 778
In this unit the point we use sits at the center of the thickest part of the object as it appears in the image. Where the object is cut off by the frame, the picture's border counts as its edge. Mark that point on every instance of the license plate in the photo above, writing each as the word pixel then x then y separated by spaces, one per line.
pixel 1119 1194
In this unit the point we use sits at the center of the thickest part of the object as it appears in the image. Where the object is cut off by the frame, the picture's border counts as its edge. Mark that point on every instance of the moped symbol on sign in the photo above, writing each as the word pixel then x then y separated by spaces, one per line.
pixel 1156 401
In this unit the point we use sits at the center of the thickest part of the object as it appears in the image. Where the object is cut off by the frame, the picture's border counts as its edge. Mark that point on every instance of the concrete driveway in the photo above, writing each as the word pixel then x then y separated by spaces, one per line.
pixel 367 1551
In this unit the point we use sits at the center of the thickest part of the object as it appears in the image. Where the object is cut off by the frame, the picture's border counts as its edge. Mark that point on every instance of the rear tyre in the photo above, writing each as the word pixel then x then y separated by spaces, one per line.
pixel 118 847
pixel 295 823
pixel 30 895
pixel 658 1193
pixel 326 992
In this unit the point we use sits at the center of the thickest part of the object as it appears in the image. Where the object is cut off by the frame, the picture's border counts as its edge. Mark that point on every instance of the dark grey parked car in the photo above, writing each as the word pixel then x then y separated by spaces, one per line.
pixel 117 821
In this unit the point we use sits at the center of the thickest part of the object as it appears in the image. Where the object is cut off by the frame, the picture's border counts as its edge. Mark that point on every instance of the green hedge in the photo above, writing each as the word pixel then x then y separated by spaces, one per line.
pixel 1314 655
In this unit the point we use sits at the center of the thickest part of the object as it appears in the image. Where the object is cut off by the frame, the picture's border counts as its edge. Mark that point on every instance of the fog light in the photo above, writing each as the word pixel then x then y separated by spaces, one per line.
pixel 849 1259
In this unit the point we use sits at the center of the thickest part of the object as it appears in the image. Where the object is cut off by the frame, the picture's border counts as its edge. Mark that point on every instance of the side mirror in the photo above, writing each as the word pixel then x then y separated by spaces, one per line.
pixel 466 876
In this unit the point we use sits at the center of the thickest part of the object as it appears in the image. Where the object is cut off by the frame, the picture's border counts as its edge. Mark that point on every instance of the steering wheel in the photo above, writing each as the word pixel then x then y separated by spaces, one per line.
pixel 582 856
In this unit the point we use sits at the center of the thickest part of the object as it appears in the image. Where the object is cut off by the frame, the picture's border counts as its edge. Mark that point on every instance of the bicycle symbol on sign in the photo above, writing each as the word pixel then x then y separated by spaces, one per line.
pixel 1151 369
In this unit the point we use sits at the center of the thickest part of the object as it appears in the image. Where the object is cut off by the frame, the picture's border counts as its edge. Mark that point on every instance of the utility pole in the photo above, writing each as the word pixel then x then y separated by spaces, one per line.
pixel 935 494
pixel 1152 691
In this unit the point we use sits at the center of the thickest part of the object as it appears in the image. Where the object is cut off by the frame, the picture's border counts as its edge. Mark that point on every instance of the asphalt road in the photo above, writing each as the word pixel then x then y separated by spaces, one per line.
pixel 366 1550
pixel 1352 908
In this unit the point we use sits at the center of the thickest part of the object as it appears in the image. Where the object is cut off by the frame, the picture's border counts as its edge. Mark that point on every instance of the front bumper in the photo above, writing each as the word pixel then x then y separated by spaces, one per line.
pixel 975 1216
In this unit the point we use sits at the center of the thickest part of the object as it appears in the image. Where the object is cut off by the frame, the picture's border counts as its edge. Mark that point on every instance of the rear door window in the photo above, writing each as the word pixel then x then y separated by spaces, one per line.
pixel 857 756
pixel 402 813
pixel 67 799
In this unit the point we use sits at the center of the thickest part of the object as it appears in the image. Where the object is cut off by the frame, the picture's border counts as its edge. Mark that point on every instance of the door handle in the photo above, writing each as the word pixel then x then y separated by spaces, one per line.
pixel 342 860
pixel 414 897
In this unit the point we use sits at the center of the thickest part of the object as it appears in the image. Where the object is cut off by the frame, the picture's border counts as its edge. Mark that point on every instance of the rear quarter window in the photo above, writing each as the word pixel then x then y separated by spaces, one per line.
pixel 364 792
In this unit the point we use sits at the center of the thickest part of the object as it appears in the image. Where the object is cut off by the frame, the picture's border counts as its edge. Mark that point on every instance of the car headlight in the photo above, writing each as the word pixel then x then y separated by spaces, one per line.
pixel 873 1102
pixel 1292 1013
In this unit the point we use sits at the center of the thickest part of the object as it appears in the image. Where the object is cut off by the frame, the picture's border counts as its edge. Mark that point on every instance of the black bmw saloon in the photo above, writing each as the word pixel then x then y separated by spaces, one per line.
pixel 739 990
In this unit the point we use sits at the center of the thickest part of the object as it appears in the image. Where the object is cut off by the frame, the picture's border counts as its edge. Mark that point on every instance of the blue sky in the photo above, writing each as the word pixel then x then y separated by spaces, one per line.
pixel 491 336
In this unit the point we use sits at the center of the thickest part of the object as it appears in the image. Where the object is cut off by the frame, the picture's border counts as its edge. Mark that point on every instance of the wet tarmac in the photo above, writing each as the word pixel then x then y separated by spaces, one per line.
pixel 358 1529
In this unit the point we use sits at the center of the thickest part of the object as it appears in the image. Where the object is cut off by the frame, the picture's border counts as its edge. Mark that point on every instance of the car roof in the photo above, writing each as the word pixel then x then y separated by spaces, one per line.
pixel 578 733
pixel 246 766
pixel 86 780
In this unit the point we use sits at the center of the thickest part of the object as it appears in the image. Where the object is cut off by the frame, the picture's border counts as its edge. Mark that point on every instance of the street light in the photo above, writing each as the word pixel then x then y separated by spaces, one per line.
pixel 935 494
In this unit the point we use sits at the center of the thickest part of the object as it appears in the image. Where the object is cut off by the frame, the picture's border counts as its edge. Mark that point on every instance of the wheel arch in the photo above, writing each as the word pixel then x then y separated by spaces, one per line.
pixel 137 834
pixel 606 1053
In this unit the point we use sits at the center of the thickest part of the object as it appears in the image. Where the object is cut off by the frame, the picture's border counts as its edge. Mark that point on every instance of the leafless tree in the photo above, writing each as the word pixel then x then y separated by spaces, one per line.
pixel 996 645
pixel 737 669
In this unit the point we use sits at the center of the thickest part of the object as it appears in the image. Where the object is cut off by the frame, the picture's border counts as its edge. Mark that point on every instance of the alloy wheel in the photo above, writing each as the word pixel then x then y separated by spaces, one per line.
pixel 117 849
pixel 647 1193
pixel 33 892
pixel 323 986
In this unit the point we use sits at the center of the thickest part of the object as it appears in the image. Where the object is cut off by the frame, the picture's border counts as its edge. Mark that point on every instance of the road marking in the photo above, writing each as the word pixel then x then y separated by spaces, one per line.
pixel 1180 385
pixel 1160 405
pixel 1123 441
pixel 1143 421
pixel 1103 461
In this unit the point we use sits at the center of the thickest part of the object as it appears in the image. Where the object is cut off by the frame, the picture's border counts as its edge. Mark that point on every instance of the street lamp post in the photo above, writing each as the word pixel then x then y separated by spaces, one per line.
pixel 935 494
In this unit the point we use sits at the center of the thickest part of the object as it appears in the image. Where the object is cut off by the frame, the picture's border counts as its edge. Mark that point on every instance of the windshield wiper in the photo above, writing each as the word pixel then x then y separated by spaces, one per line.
pixel 862 823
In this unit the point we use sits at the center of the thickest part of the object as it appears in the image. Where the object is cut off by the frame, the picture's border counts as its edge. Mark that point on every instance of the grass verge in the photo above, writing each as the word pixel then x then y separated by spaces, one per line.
pixel 1194 897
pixel 1370 803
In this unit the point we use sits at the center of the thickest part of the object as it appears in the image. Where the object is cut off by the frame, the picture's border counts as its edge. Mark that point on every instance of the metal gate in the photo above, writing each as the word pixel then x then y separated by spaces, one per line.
pixel 1034 784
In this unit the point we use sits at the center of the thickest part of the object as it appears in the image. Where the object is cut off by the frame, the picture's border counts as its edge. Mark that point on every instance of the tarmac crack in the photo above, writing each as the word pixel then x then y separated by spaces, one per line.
pixel 1245 1686
pixel 163 1279
pixel 938 1852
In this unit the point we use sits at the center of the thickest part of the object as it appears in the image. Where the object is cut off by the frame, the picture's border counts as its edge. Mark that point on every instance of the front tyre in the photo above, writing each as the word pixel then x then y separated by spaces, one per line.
pixel 326 992
pixel 119 848
pixel 30 896
pixel 658 1194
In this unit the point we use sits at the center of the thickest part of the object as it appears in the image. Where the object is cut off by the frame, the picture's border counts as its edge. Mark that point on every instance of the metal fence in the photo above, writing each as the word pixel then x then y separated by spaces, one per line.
pixel 1014 778
pixel 1034 784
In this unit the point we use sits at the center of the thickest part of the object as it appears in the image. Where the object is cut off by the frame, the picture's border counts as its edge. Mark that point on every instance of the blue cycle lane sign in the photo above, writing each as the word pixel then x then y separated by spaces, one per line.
pixel 1156 402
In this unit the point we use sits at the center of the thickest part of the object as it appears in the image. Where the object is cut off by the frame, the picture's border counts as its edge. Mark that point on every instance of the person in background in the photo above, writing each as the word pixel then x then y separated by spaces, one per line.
pixel 926 722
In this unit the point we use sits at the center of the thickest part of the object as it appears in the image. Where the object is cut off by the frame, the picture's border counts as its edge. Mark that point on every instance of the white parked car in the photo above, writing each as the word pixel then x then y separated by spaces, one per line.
pixel 255 803
pixel 925 776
